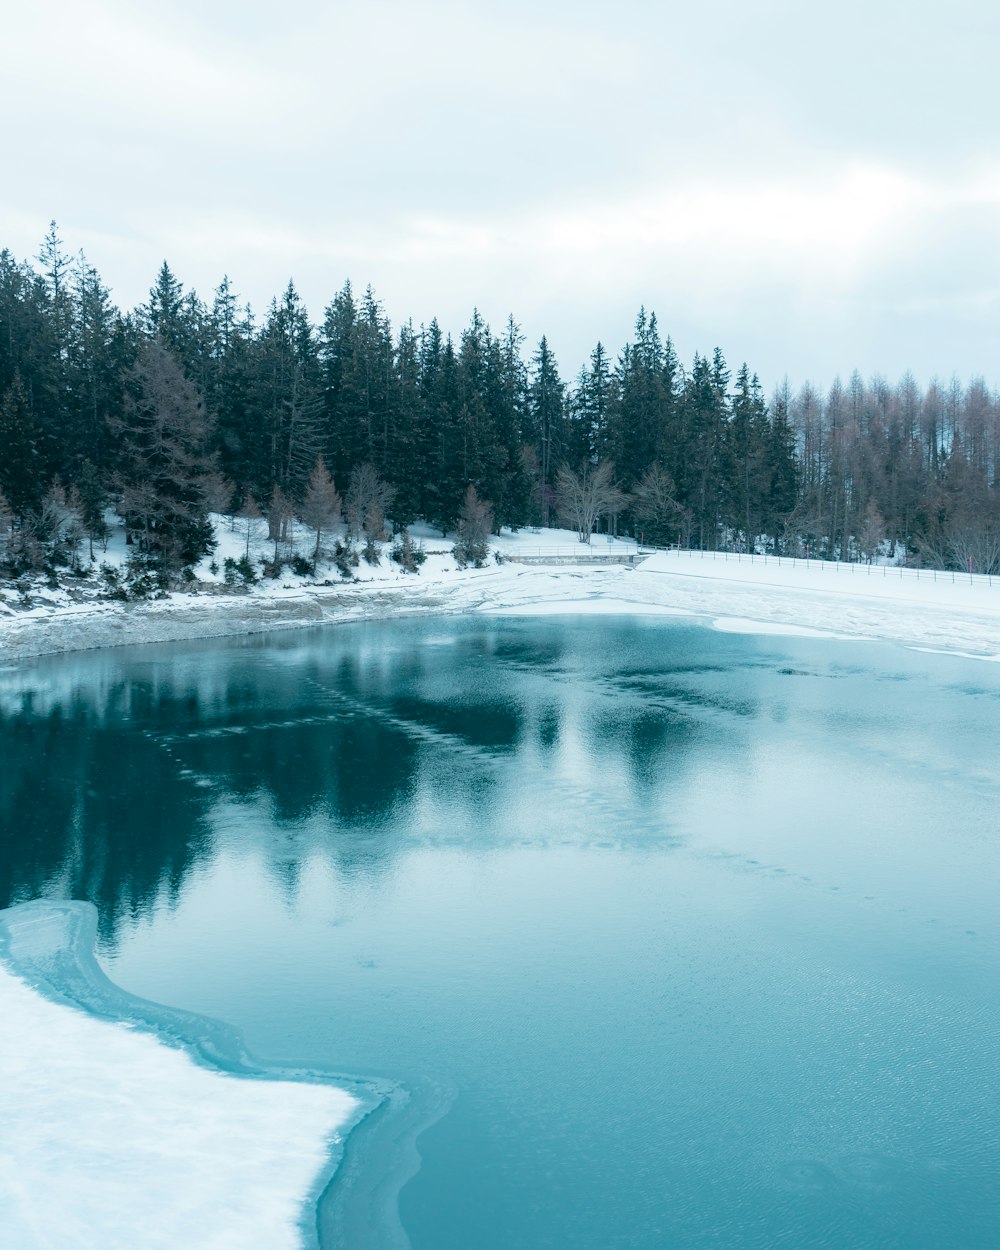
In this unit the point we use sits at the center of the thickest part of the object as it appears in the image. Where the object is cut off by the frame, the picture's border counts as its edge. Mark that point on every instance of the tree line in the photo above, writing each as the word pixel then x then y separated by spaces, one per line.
pixel 182 407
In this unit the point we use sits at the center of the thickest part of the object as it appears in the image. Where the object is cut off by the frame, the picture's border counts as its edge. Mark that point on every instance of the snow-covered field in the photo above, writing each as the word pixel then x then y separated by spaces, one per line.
pixel 936 611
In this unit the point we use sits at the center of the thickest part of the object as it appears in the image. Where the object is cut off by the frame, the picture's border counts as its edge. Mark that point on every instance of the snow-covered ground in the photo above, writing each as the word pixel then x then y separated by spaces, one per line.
pixel 937 611
pixel 110 1139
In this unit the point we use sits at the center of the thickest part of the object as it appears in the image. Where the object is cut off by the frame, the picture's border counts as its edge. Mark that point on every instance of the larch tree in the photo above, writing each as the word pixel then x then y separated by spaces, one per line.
pixel 166 461
pixel 321 504
pixel 369 498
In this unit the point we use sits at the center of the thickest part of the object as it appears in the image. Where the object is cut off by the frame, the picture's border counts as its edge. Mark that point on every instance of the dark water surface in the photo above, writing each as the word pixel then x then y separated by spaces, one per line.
pixel 681 939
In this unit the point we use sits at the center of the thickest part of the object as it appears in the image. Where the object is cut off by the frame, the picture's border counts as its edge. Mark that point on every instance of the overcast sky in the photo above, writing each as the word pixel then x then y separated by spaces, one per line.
pixel 813 188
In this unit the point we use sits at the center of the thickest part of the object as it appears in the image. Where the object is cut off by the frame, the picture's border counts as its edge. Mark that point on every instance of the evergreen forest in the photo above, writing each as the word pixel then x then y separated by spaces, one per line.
pixel 184 407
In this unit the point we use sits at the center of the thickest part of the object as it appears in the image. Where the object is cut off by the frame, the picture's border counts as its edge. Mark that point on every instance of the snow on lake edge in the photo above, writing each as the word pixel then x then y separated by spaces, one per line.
pixel 110 1138
pixel 940 612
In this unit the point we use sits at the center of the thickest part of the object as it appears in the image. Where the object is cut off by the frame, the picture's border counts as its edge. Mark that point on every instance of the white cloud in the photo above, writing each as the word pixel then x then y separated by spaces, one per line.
pixel 758 172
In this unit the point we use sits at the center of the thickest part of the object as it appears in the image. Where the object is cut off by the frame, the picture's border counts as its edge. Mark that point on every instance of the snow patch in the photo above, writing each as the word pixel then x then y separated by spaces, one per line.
pixel 111 1139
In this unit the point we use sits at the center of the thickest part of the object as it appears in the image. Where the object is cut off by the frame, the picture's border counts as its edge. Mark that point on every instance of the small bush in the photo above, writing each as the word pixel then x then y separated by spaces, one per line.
pixel 239 572
pixel 405 554
pixel 346 559
pixel 145 577
pixel 114 588
pixel 302 566
pixel 474 553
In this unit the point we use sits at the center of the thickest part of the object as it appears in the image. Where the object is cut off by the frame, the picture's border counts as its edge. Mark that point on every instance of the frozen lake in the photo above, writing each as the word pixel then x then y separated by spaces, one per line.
pixel 669 937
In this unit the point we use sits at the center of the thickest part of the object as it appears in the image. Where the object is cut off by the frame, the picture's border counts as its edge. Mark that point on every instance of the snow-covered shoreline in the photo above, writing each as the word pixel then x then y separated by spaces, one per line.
pixel 957 616
pixel 935 612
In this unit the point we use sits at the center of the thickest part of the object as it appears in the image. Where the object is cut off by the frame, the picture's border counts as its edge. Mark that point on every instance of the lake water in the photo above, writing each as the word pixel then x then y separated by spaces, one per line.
pixel 668 938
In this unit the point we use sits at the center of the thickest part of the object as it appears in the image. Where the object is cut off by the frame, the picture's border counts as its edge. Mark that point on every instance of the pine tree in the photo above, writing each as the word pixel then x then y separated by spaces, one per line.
pixel 93 502
pixel 56 267
pixel 98 354
pixel 746 461
pixel 642 400
pixel 163 314
pixel 443 406
pixel 234 398
pixel 342 398
pixel 22 477
pixel 279 513
pixel 410 461
pixel 6 529
pixel 594 403
pixel 705 414
pixel 287 389
pixel 546 413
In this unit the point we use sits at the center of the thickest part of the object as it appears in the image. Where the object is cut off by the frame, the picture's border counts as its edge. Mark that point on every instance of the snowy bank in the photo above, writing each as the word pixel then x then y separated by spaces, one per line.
pixel 750 594
pixel 935 611
pixel 111 1139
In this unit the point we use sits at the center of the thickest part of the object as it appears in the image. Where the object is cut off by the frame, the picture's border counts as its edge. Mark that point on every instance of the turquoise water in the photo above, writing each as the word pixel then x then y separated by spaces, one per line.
pixel 671 938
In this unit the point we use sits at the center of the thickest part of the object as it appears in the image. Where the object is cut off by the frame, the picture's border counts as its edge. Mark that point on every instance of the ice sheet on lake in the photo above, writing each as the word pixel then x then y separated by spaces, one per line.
pixel 111 1138
pixel 597 605
pixel 740 625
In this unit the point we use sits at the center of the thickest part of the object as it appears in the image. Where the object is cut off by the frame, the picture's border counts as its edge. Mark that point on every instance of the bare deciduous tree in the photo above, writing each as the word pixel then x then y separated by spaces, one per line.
pixel 321 504
pixel 475 524
pixel 249 513
pixel 655 505
pixel 278 515
pixel 584 497
pixel 872 531
pixel 369 498
pixel 975 547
